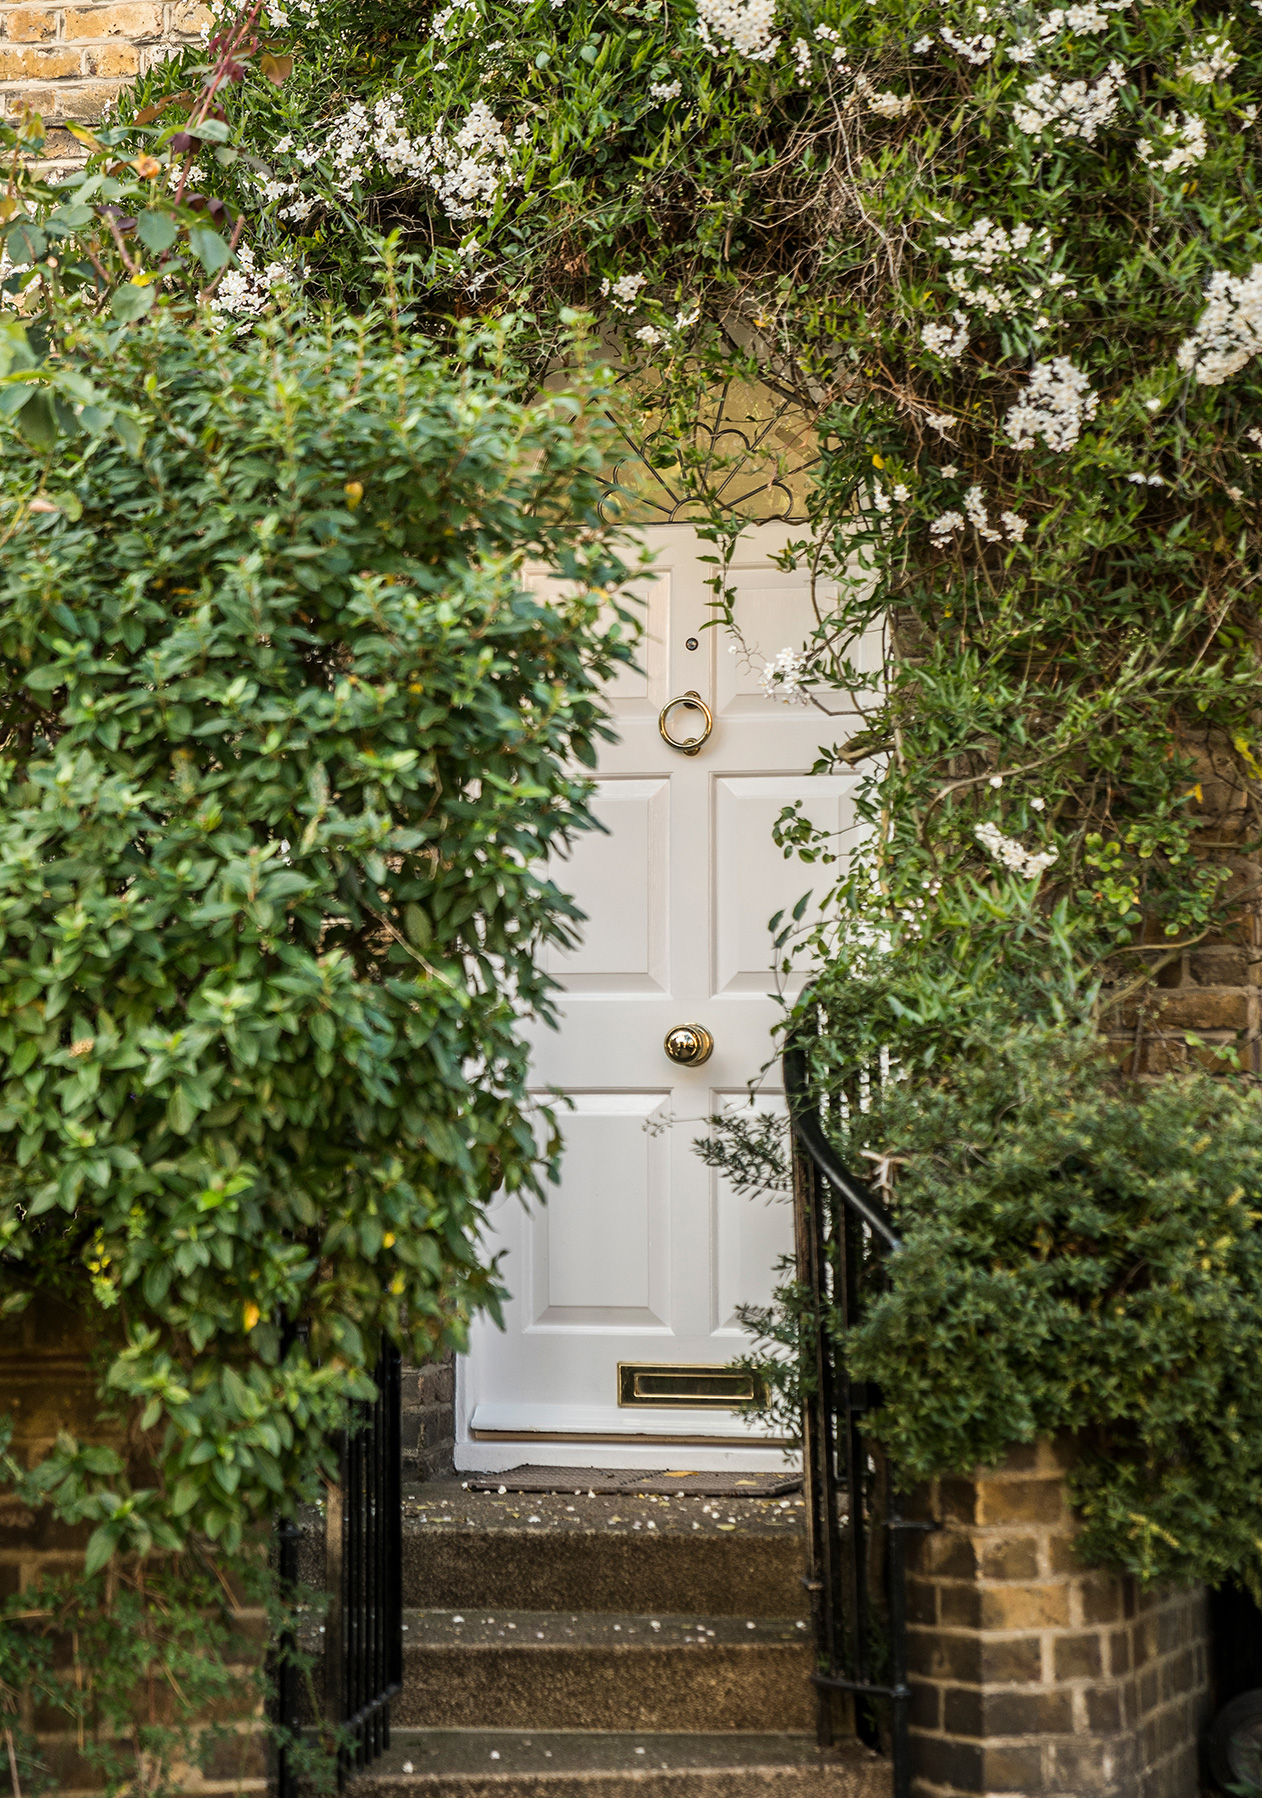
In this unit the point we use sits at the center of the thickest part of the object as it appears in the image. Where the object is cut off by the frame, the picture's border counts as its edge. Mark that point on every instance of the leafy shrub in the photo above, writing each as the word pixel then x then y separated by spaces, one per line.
pixel 286 741
pixel 1081 1257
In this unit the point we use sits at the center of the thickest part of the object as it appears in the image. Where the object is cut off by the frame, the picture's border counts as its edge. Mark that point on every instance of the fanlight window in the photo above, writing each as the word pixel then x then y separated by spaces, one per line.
pixel 743 451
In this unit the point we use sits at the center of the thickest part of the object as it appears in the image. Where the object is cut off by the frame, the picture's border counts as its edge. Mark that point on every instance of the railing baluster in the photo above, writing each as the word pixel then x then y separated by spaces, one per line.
pixel 841 1231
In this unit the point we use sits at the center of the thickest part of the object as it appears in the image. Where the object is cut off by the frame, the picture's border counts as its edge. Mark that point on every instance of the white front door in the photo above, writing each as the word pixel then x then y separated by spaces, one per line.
pixel 642 1255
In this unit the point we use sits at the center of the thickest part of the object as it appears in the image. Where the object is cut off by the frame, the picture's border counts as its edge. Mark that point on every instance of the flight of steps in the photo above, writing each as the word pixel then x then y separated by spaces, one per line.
pixel 576 1646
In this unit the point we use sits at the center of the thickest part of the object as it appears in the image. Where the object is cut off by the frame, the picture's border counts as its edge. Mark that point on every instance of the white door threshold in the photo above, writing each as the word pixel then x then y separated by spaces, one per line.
pixel 505 1435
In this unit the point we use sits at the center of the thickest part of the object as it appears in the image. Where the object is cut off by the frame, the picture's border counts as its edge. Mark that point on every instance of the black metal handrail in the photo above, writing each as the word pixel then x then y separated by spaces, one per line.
pixel 860 1569
pixel 363 1576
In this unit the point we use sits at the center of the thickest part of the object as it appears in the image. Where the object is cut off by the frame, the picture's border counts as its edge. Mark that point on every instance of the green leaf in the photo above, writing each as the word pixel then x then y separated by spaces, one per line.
pixel 128 432
pixel 102 1545
pixel 180 1114
pixel 37 419
pixel 156 230
pixel 209 248
pixel 25 242
pixel 129 302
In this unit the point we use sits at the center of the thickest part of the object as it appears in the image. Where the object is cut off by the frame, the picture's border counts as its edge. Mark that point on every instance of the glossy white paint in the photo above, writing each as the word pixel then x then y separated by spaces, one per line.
pixel 642 1253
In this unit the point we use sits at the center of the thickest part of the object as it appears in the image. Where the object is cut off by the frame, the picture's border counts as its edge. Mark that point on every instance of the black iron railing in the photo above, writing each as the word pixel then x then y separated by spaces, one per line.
pixel 363 1576
pixel 855 1527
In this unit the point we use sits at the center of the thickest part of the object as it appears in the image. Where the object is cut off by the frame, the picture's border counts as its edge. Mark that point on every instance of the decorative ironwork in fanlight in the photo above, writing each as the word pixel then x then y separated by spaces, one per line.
pixel 747 453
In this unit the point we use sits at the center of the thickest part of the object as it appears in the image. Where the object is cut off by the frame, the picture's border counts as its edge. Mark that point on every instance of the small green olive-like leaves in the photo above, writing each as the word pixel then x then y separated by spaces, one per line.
pixel 130 302
pixel 245 810
pixel 209 248
pixel 25 242
pixel 37 419
pixel 156 230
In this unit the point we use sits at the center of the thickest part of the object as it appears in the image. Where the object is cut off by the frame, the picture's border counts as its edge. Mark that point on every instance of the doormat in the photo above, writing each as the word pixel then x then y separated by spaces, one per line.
pixel 629 1482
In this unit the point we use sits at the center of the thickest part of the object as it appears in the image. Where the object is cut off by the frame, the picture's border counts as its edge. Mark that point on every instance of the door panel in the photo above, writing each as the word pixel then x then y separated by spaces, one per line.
pixel 753 880
pixel 597 1249
pixel 621 879
pixel 750 1236
pixel 643 1254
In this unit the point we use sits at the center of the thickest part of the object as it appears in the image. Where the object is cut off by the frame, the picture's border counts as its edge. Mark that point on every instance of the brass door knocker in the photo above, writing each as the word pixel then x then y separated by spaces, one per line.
pixel 692 699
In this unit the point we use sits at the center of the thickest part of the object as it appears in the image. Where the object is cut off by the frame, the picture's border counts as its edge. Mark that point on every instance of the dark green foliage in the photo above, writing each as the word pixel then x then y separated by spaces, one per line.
pixel 286 740
pixel 1080 1256
pixel 133 1678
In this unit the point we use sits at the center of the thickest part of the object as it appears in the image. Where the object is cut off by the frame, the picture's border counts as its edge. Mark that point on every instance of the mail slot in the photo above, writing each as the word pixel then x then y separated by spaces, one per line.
pixel 656 1383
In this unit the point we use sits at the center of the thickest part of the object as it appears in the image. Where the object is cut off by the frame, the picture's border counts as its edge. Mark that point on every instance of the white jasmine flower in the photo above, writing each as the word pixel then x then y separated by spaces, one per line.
pixel 886 105
pixel 1015 525
pixel 1011 854
pixel 1153 405
pixel 1036 805
pixel 941 340
pixel 468 169
pixel 684 319
pixel 1086 20
pixel 784 678
pixel 1213 58
pixel 976 50
pixel 901 491
pixel 941 422
pixel 1248 115
pixel 975 512
pixel 1072 108
pixel 665 90
pixel 921 45
pixel 1058 401
pixel 1228 332
pixel 647 334
pixel 880 498
pixel 244 291
pixel 624 291
pixel 996 780
pixel 1183 143
pixel 1254 435
pixel 949 470
pixel 802 56
pixel 741 25
pixel 943 525
pixel 986 247
pixel 283 145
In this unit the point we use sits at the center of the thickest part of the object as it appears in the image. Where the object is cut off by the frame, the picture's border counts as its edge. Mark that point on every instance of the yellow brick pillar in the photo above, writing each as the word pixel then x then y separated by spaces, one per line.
pixel 1034 1674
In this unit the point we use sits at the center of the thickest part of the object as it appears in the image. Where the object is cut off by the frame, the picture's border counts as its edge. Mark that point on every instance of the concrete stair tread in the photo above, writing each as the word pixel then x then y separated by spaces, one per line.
pixel 501 1628
pixel 591 1763
pixel 450 1505
pixel 616 1553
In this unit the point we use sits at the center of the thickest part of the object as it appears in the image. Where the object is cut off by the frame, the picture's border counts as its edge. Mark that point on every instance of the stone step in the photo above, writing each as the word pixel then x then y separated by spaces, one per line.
pixel 482 1669
pixel 457 1763
pixel 568 1551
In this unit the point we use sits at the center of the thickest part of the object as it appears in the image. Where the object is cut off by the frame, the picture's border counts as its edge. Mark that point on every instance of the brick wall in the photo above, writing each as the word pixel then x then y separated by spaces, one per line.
pixel 429 1419
pixel 1213 989
pixel 68 62
pixel 46 1386
pixel 1033 1674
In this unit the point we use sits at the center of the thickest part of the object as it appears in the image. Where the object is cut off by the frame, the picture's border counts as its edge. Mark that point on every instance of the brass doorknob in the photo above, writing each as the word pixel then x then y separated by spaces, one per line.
pixel 689 1044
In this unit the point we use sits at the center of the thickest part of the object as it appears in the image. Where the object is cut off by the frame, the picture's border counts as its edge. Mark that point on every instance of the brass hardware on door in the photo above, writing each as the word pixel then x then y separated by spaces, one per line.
pixel 689 1044
pixel 688 1388
pixel 692 699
